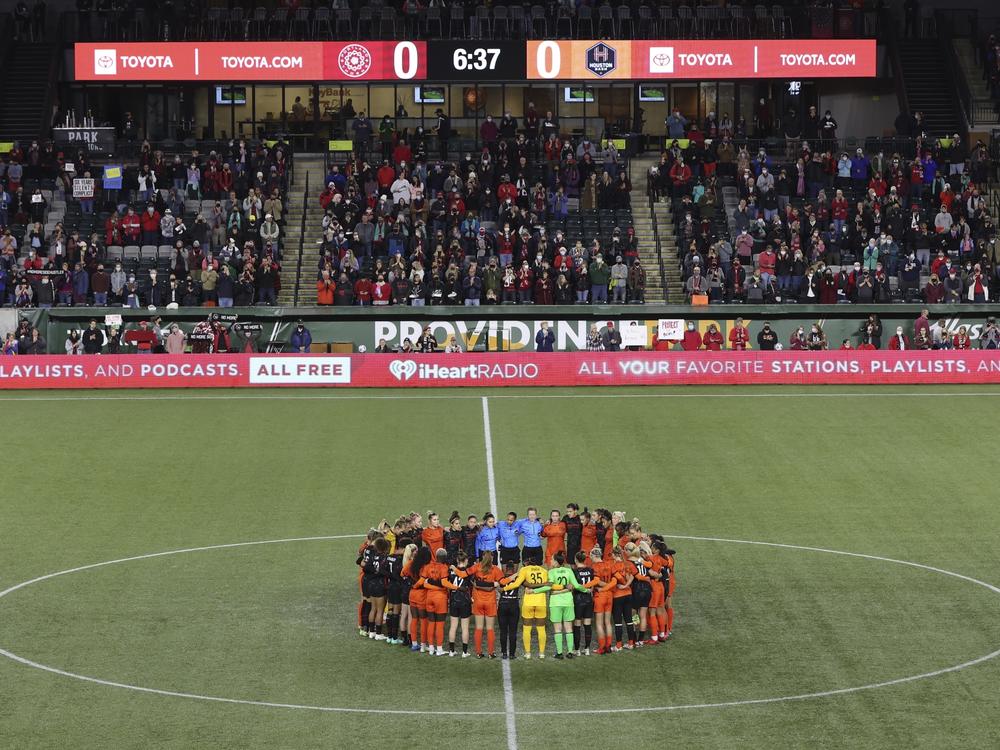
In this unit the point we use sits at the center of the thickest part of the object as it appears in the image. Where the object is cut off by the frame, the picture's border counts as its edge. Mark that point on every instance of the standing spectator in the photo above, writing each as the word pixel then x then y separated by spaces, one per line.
pixel 301 339
pixel 100 283
pixel 676 124
pixel 75 346
pixel 175 340
pixel 898 341
pixel 767 339
pixel 325 287
pixel 922 326
pixel 961 339
pixel 739 336
pixel 611 338
pixel 637 283
pixel 990 337
pixel 619 281
pixel 93 338
pixel 143 339
pixel 545 340
pixel 692 339
pixel 600 276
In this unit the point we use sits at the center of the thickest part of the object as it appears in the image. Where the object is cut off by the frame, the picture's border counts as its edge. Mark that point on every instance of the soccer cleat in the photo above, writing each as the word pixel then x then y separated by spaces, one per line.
pixel 482 656
pixel 527 655
pixel 441 652
pixel 559 656
pixel 630 645
pixel 423 647
pixel 638 644
pixel 452 653
pixel 371 634
pixel 586 652
pixel 502 656
pixel 494 656
pixel 569 654
pixel 415 647
pixel 379 637
pixel 541 656
pixel 650 642
pixel 576 652
pixel 466 655
pixel 362 632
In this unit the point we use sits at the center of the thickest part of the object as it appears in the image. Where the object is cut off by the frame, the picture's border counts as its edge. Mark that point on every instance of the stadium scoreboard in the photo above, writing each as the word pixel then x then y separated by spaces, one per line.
pixel 461 61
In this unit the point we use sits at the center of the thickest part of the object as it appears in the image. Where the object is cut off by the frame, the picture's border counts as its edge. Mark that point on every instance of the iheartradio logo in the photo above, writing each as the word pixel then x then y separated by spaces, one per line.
pixel 105 62
pixel 403 369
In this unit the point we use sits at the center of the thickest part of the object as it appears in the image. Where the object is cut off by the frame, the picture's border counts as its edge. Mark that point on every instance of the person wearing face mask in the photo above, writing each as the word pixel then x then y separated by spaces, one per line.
pixel 691 342
pixel 816 340
pixel 797 341
pixel 767 339
pixel 953 286
pixel 899 341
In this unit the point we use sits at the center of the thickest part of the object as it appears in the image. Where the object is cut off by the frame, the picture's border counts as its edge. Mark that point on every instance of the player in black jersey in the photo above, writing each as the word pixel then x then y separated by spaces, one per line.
pixel 469 533
pixel 459 603
pixel 394 595
pixel 574 532
pixel 508 614
pixel 406 582
pixel 373 584
pixel 583 604
pixel 454 538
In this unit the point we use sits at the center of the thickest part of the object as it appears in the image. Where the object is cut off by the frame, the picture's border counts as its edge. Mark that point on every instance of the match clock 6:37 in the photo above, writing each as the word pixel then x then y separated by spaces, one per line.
pixel 501 60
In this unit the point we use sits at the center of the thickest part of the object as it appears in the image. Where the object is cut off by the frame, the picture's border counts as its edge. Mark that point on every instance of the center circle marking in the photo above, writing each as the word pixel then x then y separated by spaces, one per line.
pixel 642 709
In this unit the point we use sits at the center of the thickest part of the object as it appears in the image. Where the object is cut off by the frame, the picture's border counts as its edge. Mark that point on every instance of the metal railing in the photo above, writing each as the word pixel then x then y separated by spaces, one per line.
pixel 302 239
pixel 659 247
pixel 953 68
pixel 891 38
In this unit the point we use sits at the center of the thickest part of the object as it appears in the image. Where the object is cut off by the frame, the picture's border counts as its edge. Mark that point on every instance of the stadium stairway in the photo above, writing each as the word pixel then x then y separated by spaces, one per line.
pixel 645 231
pixel 984 110
pixel 927 87
pixel 26 81
pixel 315 166
pixel 668 245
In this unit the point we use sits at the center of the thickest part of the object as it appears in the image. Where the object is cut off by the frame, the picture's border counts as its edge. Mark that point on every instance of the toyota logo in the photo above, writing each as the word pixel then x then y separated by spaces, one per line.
pixel 662 60
pixel 105 61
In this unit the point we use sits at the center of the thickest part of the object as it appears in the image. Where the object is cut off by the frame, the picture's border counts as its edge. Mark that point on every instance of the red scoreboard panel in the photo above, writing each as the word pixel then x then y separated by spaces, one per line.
pixel 502 60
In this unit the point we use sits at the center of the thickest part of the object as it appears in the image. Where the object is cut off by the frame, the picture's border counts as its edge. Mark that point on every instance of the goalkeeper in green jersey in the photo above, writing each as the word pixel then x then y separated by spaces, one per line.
pixel 561 611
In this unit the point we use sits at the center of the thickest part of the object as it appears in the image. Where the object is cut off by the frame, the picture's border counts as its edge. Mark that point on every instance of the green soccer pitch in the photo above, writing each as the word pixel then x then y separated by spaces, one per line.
pixel 232 645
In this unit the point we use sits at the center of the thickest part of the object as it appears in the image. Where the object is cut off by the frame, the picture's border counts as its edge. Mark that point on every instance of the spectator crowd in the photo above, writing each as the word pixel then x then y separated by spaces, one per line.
pixel 901 219
pixel 533 218
pixel 205 229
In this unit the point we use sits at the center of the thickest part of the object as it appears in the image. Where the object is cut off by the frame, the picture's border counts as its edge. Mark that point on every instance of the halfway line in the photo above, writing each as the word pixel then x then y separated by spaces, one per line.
pixel 508 685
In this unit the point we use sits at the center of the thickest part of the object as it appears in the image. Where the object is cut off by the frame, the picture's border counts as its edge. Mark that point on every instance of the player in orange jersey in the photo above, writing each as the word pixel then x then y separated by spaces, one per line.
pixel 433 535
pixel 486 579
pixel 588 537
pixel 621 607
pixel 554 533
pixel 657 612
pixel 603 599
pixel 420 626
pixel 431 577
pixel 642 589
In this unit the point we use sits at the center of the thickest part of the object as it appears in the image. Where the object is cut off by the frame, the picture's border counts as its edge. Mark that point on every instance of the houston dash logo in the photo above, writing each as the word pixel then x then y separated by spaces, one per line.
pixel 602 59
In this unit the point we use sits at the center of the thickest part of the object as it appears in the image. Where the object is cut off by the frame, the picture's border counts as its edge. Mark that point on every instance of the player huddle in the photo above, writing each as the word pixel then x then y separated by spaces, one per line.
pixel 600 573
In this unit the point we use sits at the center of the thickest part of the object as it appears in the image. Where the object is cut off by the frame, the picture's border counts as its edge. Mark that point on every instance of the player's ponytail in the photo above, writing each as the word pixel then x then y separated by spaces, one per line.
pixel 560 558
pixel 486 562
pixel 580 557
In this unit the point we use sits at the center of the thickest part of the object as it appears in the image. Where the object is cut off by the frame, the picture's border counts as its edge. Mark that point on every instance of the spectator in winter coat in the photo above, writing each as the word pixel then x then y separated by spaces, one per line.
pixel 739 336
pixel 611 338
pixel 712 340
pixel 544 339
pixel 301 339
pixel 175 340
pixel 692 339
